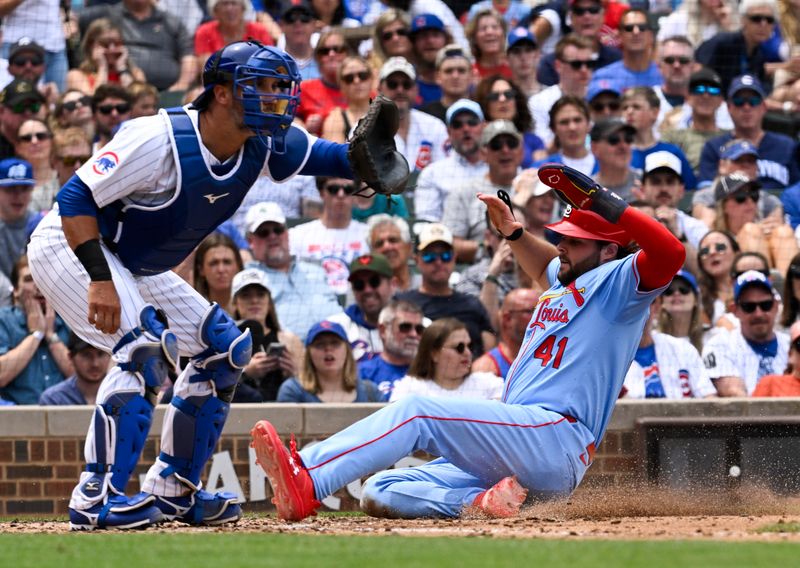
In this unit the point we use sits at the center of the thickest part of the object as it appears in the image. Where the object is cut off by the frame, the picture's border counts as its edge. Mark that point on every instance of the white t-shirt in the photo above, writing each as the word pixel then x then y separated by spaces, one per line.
pixel 484 386
pixel 584 165
pixel 334 249
pixel 540 105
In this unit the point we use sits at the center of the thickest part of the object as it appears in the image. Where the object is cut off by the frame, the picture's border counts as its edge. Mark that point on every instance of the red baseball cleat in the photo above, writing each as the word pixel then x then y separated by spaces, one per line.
pixel 294 491
pixel 502 500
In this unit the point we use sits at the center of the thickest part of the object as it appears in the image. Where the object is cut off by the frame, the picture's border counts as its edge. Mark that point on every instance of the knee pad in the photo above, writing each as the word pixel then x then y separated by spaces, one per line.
pixel 154 359
pixel 228 352
pixel 200 420
pixel 121 425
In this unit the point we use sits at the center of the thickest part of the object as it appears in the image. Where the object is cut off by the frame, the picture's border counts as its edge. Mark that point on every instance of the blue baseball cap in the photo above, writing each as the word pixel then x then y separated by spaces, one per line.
pixel 14 171
pixel 746 82
pixel 735 149
pixel 688 277
pixel 463 105
pixel 518 35
pixel 751 278
pixel 325 326
pixel 596 88
pixel 426 22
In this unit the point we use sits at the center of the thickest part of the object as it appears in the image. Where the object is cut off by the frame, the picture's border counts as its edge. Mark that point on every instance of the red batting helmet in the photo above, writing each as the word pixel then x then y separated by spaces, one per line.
pixel 589 225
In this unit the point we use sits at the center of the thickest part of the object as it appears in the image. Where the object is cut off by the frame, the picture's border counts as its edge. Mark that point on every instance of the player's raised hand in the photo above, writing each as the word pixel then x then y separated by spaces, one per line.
pixel 582 192
pixel 104 306
pixel 499 214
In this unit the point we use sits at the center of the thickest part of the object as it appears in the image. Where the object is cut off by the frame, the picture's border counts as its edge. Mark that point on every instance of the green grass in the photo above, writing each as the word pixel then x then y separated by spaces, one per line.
pixel 781 527
pixel 245 550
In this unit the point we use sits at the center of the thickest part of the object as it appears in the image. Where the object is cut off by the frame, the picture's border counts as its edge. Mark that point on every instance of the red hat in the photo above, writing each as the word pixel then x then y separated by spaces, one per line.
pixel 589 225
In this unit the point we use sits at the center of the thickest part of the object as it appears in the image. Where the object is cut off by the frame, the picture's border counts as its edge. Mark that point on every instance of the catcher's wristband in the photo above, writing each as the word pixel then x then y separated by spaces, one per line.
pixel 516 234
pixel 91 257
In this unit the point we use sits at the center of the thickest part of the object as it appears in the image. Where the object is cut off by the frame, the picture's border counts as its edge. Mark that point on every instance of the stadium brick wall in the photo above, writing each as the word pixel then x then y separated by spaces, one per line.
pixel 41 448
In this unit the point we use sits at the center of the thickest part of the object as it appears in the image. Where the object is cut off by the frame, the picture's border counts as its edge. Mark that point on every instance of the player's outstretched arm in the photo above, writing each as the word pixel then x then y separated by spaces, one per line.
pixel 532 253
pixel 79 222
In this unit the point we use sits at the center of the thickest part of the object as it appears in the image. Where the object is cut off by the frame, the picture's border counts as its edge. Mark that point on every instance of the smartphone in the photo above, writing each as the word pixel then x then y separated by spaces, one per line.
pixel 275 349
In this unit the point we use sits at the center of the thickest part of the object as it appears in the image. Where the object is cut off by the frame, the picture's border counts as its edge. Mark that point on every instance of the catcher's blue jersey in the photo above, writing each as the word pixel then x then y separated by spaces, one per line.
pixel 566 363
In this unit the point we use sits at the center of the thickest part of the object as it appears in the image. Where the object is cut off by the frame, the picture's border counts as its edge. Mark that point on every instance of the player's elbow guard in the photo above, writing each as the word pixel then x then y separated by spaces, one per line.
pixel 75 199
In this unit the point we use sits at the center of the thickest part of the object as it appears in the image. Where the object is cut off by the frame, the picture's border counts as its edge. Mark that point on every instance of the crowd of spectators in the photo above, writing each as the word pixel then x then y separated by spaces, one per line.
pixel 688 109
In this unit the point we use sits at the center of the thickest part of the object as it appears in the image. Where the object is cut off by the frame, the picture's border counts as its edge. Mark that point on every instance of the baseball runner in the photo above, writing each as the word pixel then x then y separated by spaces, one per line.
pixel 137 209
pixel 540 439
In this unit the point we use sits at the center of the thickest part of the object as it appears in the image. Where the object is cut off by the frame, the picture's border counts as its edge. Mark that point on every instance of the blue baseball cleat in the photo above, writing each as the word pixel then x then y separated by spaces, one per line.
pixel 200 508
pixel 118 512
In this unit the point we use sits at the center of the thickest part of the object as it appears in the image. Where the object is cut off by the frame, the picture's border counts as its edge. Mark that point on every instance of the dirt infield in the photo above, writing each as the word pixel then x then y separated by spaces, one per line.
pixel 638 513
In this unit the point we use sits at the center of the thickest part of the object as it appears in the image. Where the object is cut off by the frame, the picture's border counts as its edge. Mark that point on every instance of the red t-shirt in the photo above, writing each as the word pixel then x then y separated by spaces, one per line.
pixel 502 69
pixel 319 98
pixel 208 38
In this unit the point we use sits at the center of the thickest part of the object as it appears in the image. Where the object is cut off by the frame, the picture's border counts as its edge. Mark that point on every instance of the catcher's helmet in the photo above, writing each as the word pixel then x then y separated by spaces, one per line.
pixel 247 65
pixel 589 225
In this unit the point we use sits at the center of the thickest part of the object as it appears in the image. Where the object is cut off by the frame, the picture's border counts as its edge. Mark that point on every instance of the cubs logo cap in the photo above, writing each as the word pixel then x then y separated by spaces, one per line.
pixel 737 148
pixel 519 35
pixel 14 171
pixel 746 83
pixel 325 326
pixel 751 278
pixel 589 225
pixel 376 263
pixel 426 22
pixel 249 277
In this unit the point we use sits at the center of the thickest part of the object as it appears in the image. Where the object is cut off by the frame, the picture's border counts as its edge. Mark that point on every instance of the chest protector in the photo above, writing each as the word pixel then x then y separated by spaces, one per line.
pixel 153 239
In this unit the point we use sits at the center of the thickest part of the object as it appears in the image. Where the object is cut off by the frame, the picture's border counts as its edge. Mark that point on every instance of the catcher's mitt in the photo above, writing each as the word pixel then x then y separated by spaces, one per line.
pixel 373 155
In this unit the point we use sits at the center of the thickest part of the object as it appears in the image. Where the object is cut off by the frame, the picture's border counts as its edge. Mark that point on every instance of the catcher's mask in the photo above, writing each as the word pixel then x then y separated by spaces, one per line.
pixel 589 225
pixel 266 81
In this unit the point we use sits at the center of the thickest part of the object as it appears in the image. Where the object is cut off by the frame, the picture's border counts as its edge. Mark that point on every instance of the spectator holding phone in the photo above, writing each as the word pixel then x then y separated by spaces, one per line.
pixel 277 353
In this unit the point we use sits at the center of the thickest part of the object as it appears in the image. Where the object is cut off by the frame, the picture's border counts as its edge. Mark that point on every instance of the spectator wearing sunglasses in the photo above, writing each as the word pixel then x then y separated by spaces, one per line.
pixel 575 60
pixel 420 137
pixel 777 164
pixel 299 38
pixel 26 60
pixel 19 101
pixel 699 119
pixel 738 211
pixel 715 254
pixel 428 37
pixel 787 384
pixel 390 38
pixel 664 366
pixel 676 63
pixel 157 40
pixel 443 367
pixel 680 315
pixel 228 23
pixel 436 261
pixel 354 77
pixel 454 78
pixel 587 19
pixel 322 95
pixel 612 142
pixel 603 103
pixel 732 53
pixel 335 239
pixel 465 123
pixel 371 284
pixel 35 146
pixel 636 68
pixel 514 317
pixel 640 108
pixel 70 150
pixel 73 109
pixel 105 60
pixel 111 106
pixel 737 360
pixel 328 373
pixel 400 325
pixel 465 216
pixel 299 289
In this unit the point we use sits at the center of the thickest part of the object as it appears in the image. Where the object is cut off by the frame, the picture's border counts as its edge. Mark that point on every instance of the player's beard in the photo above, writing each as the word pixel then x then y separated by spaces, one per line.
pixel 575 270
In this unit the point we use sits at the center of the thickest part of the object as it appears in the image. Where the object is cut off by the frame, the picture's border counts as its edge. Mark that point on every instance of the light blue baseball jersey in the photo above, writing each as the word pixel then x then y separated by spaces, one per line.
pixel 580 343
